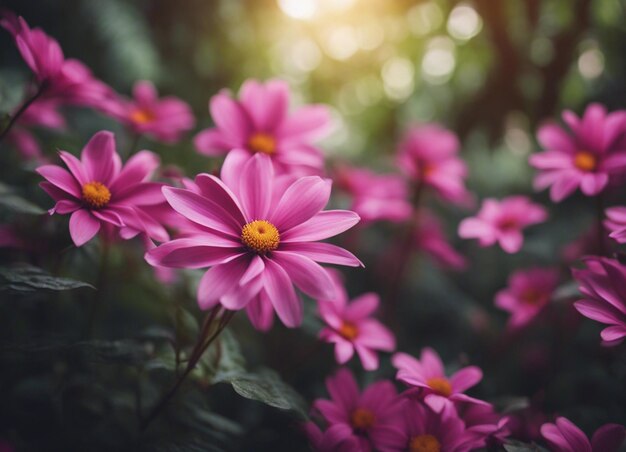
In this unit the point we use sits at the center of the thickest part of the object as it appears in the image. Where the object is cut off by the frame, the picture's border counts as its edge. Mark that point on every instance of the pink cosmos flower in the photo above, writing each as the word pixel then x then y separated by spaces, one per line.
pixel 350 327
pixel 429 154
pixel 528 292
pixel 259 122
pixel 587 158
pixel 489 427
pixel 429 237
pixel 371 417
pixel 603 285
pixel 166 119
pixel 99 192
pixel 40 114
pixel 616 223
pixel 502 222
pixel 337 438
pixel 564 436
pixel 429 377
pixel 259 238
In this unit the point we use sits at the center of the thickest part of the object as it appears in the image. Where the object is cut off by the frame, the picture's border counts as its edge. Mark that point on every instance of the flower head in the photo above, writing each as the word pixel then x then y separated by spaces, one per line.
pixel 337 438
pixel 564 436
pixel 616 223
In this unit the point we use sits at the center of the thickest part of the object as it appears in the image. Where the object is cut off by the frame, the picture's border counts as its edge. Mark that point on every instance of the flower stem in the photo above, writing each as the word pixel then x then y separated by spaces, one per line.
pixel 22 109
pixel 96 302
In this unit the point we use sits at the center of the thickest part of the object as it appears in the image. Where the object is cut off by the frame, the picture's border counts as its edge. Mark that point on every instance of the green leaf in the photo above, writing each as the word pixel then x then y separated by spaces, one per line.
pixel 16 203
pixel 224 357
pixel 518 446
pixel 27 278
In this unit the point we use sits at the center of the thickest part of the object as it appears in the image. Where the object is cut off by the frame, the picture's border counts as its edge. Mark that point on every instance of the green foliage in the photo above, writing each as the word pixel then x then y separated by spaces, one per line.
pixel 27 278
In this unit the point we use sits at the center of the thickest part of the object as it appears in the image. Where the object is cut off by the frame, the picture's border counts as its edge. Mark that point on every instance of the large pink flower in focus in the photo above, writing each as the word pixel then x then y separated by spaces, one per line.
pixel 427 374
pixel 603 285
pixel 586 158
pixel 259 239
pixel 528 292
pixel 99 192
pixel 564 436
pixel 351 328
pixel 616 223
pixel 502 222
pixel 372 416
pixel 260 123
pixel 429 237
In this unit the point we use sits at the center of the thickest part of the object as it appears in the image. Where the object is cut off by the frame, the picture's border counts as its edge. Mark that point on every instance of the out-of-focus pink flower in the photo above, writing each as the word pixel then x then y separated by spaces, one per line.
pixel 260 123
pixel 616 223
pixel 527 293
pixel 40 114
pixel 429 377
pixel 350 326
pixel 429 154
pixel 603 285
pixel 502 222
pixel 98 191
pixel 166 119
pixel 337 438
pixel 372 416
pixel 258 237
pixel 428 236
pixel 564 436
pixel 587 158
pixel 490 427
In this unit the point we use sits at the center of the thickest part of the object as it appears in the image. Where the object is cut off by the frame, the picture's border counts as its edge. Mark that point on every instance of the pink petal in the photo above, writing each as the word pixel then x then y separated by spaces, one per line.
pixel 256 267
pixel 108 216
pixel 100 159
pixel 137 169
pixel 64 206
pixel 83 227
pixel 325 224
pixel 362 306
pixel 190 253
pixel 554 138
pixel 593 183
pixel 373 334
pixel 511 241
pixel 433 367
pixel 142 194
pixel 233 167
pixel 144 92
pixel 369 359
pixel 466 378
pixel 614 333
pixel 281 293
pixel 211 142
pixel 307 123
pixel 239 296
pixel 608 438
pixel 75 166
pixel 260 312
pixel 267 104
pixel 343 389
pixel 309 276
pixel 324 253
pixel 564 187
pixel 218 280
pixel 302 200
pixel 214 189
pixel 255 189
pixel 230 117
pixel 573 435
pixel 344 350
pixel 61 178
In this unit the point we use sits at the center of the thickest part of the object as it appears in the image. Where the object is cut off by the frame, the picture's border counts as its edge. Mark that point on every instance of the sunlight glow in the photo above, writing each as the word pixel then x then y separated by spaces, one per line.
pixel 299 9
pixel 464 23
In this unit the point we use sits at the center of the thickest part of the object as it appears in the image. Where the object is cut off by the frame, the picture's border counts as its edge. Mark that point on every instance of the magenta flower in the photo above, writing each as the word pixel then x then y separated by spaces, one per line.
pixel 166 119
pixel 429 377
pixel 428 237
pixel 337 438
pixel 259 239
pixel 616 223
pixel 528 292
pixel 603 285
pixel 489 427
pixel 564 436
pixel 502 222
pixel 595 151
pixel 259 122
pixel 99 192
pixel 429 155
pixel 350 327
pixel 40 114
pixel 372 417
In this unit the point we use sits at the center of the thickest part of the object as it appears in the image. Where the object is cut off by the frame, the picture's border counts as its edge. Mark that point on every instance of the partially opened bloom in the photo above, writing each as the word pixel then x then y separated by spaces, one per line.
pixel 564 436
pixel 41 114
pixel 260 123
pixel 587 158
pixel 527 293
pixel 502 222
pixel 429 237
pixel 490 427
pixel 351 328
pixel 337 438
pixel 258 237
pixel 616 223
pixel 603 285
pixel 428 376
pixel 99 192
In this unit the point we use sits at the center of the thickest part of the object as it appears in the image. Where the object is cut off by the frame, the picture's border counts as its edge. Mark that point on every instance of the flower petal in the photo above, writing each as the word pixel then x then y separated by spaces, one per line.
pixel 300 202
pixel 83 227
pixel 325 224
pixel 281 293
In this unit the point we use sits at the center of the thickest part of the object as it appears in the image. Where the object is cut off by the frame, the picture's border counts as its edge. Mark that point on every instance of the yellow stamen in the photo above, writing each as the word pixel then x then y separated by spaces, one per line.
pixel 142 116
pixel 96 194
pixel 585 161
pixel 362 419
pixel 440 386
pixel 349 330
pixel 424 443
pixel 260 236
pixel 262 142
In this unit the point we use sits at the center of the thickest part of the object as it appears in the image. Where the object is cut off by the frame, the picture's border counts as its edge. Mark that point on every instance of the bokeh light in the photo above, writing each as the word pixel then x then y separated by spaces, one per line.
pixel 464 23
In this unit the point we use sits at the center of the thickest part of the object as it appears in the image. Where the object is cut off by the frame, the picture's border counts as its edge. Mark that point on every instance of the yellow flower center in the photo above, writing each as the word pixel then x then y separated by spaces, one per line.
pixel 362 419
pixel 424 443
pixel 262 142
pixel 96 194
pixel 440 386
pixel 260 236
pixel 142 116
pixel 349 330
pixel 586 161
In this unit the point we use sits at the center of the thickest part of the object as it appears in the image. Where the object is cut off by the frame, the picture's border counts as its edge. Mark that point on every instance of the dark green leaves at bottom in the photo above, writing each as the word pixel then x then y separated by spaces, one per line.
pixel 27 278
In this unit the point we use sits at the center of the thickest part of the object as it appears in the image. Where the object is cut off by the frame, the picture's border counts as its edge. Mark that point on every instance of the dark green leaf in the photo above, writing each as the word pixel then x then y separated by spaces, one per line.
pixel 16 203
pixel 518 446
pixel 27 278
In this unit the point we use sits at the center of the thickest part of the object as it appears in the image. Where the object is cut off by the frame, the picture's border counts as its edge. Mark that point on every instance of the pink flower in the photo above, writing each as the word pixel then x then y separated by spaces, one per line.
pixel 259 123
pixel 528 292
pixel 166 119
pixel 489 427
pixel 429 237
pixel 337 438
pixel 616 223
pixel 502 222
pixel 40 114
pixel 259 239
pixel 595 151
pixel 564 436
pixel 428 154
pixel 372 416
pixel 429 377
pixel 603 285
pixel 350 327
pixel 99 192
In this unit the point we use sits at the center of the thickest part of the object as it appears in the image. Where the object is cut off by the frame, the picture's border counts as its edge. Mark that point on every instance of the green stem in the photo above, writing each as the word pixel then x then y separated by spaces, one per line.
pixel 22 109
pixel 100 286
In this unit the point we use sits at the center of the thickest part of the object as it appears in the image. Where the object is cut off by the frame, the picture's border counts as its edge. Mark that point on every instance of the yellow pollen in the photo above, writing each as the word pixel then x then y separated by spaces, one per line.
pixel 260 236
pixel 424 443
pixel 440 386
pixel 584 160
pixel 96 194
pixel 262 142
pixel 349 330
pixel 142 116
pixel 362 419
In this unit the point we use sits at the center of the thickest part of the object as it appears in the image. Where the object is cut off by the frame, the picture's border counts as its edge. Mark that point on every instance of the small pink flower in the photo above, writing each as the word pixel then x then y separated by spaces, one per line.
pixel 564 436
pixel 337 438
pixel 616 223
pixel 502 222
pixel 603 285
pixel 429 377
pixel 587 158
pixel 43 113
pixel 429 155
pixel 98 191
pixel 260 123
pixel 429 237
pixel 350 327
pixel 528 292
pixel 490 427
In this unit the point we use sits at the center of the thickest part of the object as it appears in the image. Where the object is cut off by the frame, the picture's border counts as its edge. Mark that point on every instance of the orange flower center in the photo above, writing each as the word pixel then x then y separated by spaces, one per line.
pixel 362 419
pixel 586 161
pixel 260 236
pixel 424 443
pixel 349 330
pixel 262 142
pixel 142 116
pixel 96 194
pixel 508 224
pixel 440 386
pixel 531 296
